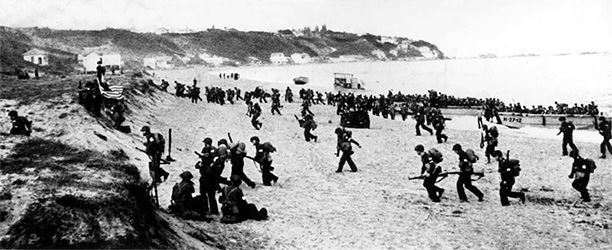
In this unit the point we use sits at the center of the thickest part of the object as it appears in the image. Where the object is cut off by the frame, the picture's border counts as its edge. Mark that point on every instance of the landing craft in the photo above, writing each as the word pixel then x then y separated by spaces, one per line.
pixel 300 80
pixel 347 81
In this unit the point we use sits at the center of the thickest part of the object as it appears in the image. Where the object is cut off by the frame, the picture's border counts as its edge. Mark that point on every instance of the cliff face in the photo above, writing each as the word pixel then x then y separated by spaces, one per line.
pixel 232 45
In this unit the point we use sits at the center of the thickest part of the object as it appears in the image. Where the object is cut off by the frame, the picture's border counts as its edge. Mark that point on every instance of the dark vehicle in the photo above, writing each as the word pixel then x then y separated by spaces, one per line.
pixel 355 119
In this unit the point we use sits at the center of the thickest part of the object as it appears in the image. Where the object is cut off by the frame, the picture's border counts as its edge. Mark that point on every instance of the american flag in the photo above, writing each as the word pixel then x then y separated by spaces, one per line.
pixel 115 92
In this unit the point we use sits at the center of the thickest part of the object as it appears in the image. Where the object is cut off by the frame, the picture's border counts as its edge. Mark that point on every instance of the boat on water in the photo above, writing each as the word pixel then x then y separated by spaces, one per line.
pixel 347 81
pixel 300 80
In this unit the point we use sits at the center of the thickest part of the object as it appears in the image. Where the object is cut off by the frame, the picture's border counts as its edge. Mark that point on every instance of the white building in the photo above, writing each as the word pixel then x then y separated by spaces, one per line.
pixel 37 56
pixel 278 58
pixel 158 62
pixel 300 58
pixel 90 60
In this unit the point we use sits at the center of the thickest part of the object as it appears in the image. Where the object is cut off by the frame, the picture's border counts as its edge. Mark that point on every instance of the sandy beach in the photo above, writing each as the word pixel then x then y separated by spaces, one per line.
pixel 311 207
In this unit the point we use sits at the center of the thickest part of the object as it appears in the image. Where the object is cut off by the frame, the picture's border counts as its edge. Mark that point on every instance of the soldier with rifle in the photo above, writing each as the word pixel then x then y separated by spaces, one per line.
pixel 344 145
pixel 567 128
pixel 264 158
pixel 581 173
pixel 209 177
pixel 308 124
pixel 154 149
pixel 237 155
pixel 507 169
pixel 465 176
pixel 429 173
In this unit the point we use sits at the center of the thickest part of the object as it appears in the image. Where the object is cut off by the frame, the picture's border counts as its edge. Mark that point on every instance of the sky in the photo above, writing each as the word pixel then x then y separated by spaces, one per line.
pixel 460 28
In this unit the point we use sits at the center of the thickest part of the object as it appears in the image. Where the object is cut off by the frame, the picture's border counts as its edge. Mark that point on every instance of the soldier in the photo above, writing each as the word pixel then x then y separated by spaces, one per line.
pixel 306 108
pixel 21 125
pixel 154 149
pixel 288 95
pixel 604 130
pixel 438 125
pixel 344 145
pixel 506 171
pixel 419 116
pixel 255 113
pixel 182 199
pixel 581 173
pixel 567 128
pixel 275 102
pixel 430 172
pixel 209 176
pixel 465 176
pixel 264 158
pixel 100 72
pixel 237 154
pixel 488 136
pixel 238 97
pixel 309 125
pixel 235 209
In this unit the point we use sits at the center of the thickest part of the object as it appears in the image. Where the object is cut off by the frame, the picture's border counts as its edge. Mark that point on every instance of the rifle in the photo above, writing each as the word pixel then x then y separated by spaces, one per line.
pixel 230 137
pixel 162 161
pixel 255 162
pixel 446 174
pixel 169 158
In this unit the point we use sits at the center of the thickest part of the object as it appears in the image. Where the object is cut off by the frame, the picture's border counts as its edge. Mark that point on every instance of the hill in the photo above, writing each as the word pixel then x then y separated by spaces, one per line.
pixel 237 47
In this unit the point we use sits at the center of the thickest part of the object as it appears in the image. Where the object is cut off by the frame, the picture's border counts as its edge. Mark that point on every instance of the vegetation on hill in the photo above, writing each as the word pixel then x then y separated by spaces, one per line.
pixel 237 46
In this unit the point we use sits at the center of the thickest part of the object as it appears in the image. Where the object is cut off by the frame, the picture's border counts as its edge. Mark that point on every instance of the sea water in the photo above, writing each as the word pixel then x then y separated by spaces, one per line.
pixel 538 80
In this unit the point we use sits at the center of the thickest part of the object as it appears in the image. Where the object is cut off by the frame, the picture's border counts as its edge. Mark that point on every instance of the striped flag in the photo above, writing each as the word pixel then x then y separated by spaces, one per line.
pixel 115 92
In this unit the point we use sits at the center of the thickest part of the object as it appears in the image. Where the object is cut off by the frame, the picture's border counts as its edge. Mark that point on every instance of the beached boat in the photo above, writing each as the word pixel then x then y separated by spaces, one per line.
pixel 347 81
pixel 518 120
pixel 300 80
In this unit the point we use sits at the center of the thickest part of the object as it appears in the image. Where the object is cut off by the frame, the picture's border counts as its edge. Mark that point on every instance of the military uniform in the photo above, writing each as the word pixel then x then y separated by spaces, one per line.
pixel 465 178
pixel 507 181
pixel 604 130
pixel 567 128
pixel 581 176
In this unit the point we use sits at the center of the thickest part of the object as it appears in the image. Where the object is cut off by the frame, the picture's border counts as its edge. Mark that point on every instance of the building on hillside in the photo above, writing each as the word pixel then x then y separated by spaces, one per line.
pixel 37 56
pixel 212 59
pixel 253 60
pixel 157 62
pixel 300 58
pixel 278 58
pixel 90 60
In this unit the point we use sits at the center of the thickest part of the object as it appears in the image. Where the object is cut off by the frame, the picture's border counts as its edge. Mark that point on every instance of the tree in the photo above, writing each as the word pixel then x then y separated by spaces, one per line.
pixel 323 28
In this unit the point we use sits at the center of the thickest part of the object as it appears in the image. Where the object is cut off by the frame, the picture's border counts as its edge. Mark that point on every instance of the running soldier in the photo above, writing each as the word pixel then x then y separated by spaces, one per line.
pixel 264 158
pixel 581 173
pixel 237 155
pixel 604 130
pixel 507 170
pixel 419 116
pixel 567 128
pixel 275 102
pixel 466 170
pixel 344 145
pixel 255 113
pixel 438 125
pixel 288 95
pixel 430 172
pixel 309 125
pixel 489 136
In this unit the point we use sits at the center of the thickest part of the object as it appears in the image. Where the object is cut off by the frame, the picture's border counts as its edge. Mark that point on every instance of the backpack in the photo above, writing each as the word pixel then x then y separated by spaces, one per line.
pixel 160 141
pixel 436 156
pixel 590 165
pixel 176 191
pixel 472 157
pixel 514 165
pixel 493 131
pixel 268 148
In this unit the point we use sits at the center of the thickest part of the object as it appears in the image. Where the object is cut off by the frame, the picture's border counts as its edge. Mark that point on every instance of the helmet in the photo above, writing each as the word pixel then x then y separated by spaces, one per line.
pixel 12 113
pixel 562 118
pixel 207 140
pixel 338 130
pixel 457 147
pixel 241 148
pixel 497 153
pixel 145 128
pixel 186 175
pixel 222 141
pixel 254 138
pixel 419 148
pixel 573 153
